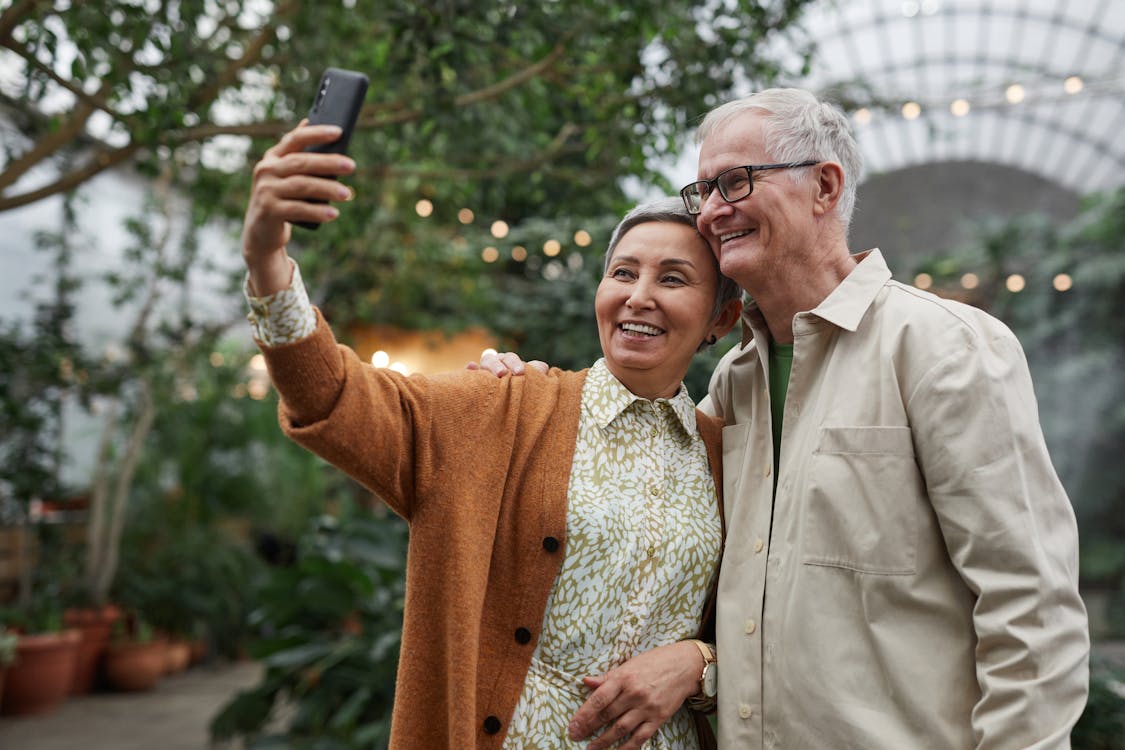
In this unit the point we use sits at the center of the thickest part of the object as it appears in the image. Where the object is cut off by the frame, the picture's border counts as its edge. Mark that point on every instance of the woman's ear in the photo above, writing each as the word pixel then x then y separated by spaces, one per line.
pixel 829 187
pixel 727 317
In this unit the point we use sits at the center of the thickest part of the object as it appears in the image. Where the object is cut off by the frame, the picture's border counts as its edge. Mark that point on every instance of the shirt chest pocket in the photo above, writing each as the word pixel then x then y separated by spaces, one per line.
pixel 865 497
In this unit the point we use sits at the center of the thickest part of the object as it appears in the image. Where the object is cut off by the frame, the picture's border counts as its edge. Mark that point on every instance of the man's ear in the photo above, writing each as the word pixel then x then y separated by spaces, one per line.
pixel 829 187
pixel 728 316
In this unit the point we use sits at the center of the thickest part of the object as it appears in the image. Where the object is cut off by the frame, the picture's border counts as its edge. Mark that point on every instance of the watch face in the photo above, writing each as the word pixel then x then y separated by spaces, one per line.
pixel 711 680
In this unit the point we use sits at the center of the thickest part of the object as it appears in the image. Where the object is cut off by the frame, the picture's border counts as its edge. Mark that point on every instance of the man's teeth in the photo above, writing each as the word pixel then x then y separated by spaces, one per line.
pixel 732 235
pixel 641 328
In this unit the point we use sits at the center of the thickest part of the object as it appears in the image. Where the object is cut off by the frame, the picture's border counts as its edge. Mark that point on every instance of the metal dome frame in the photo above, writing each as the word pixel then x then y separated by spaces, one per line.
pixel 877 55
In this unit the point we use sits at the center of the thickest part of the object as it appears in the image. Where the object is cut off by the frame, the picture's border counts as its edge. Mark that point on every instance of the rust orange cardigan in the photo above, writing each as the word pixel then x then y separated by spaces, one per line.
pixel 478 466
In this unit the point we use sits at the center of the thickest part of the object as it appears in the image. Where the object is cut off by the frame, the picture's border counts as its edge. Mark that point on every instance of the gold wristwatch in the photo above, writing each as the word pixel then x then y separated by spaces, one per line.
pixel 708 678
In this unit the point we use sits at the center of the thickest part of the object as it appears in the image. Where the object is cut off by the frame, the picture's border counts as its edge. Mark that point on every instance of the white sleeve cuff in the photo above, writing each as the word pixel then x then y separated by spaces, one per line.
pixel 283 317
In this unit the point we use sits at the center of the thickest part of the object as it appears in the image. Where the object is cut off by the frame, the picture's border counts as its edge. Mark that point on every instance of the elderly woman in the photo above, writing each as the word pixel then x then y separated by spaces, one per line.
pixel 584 533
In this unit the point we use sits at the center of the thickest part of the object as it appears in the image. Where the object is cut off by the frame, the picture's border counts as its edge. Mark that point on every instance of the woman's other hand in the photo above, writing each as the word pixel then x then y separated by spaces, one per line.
pixel 634 699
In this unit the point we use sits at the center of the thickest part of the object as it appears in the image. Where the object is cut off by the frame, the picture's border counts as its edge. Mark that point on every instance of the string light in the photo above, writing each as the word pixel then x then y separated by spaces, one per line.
pixel 499 229
pixel 1015 283
pixel 911 110
pixel 490 254
pixel 923 281
pixel 1063 282
pixel 959 107
pixel 582 238
pixel 424 208
pixel 551 248
pixel 465 216
pixel 970 281
pixel 1015 93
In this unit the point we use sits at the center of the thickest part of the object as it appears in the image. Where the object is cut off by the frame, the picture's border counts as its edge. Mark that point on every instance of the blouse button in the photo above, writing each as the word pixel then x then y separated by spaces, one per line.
pixel 523 635
pixel 550 544
pixel 491 725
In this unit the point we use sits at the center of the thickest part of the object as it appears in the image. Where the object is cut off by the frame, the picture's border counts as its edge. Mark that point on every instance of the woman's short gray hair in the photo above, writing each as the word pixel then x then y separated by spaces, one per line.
pixel 798 127
pixel 670 210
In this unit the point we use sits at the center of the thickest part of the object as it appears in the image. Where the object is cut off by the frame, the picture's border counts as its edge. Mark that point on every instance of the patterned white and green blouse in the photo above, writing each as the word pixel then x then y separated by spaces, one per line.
pixel 643 541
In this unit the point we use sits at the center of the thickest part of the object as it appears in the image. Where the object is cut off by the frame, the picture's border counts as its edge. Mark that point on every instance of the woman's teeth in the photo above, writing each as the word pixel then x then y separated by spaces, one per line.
pixel 640 328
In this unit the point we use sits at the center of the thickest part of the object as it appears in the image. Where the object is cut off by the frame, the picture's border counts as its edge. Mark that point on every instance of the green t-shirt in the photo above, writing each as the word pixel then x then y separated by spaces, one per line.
pixel 781 362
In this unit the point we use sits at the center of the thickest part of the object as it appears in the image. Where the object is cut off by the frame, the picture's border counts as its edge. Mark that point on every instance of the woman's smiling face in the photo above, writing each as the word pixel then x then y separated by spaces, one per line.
pixel 654 306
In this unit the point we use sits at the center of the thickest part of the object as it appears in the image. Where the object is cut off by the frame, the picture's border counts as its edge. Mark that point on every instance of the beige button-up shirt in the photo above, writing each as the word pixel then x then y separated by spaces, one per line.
pixel 913 582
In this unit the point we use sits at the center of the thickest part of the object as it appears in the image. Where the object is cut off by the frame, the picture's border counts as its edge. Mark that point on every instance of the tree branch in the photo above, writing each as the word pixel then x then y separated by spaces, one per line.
pixel 121 487
pixel 11 18
pixel 94 102
pixel 104 160
pixel 553 149
pixel 375 120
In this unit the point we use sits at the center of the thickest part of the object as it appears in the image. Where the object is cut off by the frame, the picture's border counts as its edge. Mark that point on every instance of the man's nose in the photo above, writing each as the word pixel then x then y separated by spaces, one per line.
pixel 712 206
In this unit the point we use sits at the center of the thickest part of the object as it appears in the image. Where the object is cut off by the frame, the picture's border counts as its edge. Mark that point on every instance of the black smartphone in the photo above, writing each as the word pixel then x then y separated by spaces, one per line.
pixel 339 97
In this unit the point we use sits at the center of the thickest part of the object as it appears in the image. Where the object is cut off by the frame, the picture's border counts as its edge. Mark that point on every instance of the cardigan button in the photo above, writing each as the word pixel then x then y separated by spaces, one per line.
pixel 523 635
pixel 491 725
pixel 550 544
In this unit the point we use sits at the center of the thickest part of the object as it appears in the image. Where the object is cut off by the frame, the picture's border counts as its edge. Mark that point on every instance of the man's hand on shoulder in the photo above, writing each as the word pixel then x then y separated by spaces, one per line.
pixel 505 363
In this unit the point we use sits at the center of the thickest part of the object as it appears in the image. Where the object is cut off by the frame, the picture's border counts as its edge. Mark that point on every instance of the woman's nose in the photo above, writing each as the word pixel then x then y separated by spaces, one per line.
pixel 641 295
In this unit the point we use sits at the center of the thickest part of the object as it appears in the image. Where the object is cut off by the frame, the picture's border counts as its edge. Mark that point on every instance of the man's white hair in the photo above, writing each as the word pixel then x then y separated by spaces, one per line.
pixel 798 127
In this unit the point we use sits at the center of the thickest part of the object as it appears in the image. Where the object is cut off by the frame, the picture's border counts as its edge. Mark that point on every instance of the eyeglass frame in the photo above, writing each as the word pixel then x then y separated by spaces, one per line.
pixel 713 183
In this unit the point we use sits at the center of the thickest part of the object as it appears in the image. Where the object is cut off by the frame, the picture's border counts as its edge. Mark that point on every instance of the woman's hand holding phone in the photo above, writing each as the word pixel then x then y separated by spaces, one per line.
pixel 297 179
pixel 285 182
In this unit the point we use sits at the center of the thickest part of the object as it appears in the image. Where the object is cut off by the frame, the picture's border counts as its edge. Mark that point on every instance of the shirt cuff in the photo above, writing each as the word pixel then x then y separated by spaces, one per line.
pixel 283 317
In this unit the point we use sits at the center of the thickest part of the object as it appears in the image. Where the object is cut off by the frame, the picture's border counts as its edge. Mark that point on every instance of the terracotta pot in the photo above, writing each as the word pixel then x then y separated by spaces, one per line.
pixel 39 679
pixel 133 666
pixel 177 656
pixel 199 650
pixel 95 625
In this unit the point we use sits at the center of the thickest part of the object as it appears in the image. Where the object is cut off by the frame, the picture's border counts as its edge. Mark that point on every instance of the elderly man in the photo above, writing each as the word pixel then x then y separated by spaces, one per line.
pixel 901 566
pixel 901 561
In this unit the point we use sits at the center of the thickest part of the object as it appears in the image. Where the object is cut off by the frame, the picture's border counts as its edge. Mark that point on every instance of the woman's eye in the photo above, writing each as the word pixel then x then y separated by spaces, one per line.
pixel 672 280
pixel 621 273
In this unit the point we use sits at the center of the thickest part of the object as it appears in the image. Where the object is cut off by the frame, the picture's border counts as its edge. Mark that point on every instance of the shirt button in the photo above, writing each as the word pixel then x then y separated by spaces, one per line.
pixel 751 626
pixel 745 711
pixel 759 545
pixel 491 725
pixel 523 635
pixel 550 544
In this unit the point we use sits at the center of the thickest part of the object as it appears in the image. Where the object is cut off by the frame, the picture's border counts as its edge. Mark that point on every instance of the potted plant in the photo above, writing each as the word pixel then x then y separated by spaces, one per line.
pixel 39 678
pixel 136 657
pixel 8 643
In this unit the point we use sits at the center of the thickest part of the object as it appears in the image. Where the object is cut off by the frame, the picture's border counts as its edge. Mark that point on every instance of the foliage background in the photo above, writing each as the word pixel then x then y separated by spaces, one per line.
pixel 529 113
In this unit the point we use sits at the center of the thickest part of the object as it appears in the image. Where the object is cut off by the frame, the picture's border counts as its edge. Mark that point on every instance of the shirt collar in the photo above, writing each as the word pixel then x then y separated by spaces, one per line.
pixel 844 307
pixel 608 398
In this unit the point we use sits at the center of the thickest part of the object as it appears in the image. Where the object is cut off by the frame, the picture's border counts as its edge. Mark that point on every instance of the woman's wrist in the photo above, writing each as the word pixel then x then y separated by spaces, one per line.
pixel 271 274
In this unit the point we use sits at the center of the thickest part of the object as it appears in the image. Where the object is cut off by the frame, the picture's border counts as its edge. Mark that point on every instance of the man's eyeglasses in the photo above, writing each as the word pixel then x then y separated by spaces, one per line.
pixel 734 184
